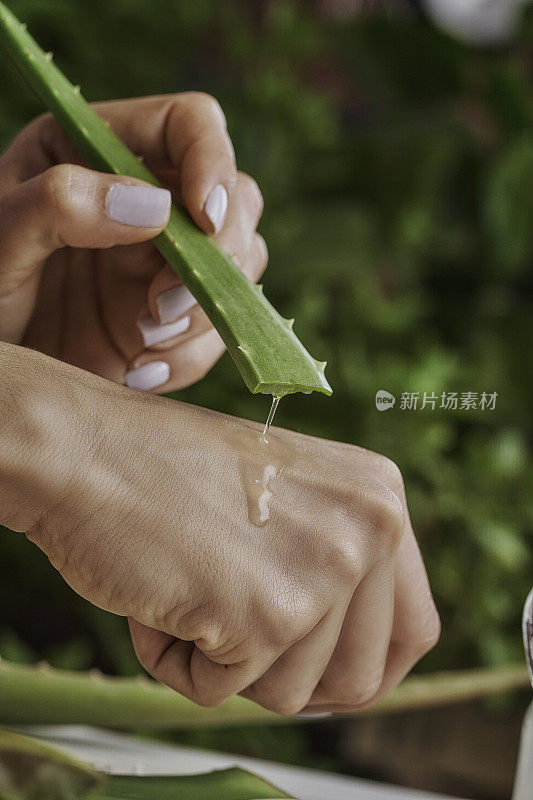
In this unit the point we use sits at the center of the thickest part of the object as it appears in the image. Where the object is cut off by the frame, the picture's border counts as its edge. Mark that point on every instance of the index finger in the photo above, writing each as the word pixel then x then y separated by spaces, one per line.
pixel 184 132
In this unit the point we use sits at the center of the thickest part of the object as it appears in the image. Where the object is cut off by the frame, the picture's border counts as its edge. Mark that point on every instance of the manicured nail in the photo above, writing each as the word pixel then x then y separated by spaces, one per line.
pixel 216 206
pixel 173 303
pixel 140 206
pixel 153 333
pixel 303 715
pixel 149 376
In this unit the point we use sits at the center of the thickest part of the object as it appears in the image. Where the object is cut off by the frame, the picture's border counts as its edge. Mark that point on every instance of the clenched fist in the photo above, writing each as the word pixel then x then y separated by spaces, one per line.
pixel 139 502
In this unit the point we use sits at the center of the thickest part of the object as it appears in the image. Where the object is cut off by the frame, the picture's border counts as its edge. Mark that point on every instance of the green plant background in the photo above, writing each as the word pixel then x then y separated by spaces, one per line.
pixel 396 166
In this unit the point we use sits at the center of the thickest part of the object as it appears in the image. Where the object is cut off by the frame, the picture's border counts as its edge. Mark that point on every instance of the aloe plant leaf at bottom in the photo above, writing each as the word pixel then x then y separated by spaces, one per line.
pixel 31 770
pixel 226 784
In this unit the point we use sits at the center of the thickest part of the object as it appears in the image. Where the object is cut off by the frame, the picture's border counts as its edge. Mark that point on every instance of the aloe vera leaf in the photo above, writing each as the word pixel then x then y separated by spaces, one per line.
pixel 43 695
pixel 224 784
pixel 30 770
pixel 33 770
pixel 40 694
pixel 267 353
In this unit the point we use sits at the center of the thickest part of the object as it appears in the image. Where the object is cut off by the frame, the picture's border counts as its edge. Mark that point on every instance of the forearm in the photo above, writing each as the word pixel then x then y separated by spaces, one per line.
pixel 38 436
pixel 71 440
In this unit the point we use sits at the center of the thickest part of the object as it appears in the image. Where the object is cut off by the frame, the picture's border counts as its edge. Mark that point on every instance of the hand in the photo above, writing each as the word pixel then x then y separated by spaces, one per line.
pixel 79 279
pixel 326 608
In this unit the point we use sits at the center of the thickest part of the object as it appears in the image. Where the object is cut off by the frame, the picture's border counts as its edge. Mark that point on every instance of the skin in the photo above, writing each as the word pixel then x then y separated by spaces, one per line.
pixel 81 302
pixel 138 501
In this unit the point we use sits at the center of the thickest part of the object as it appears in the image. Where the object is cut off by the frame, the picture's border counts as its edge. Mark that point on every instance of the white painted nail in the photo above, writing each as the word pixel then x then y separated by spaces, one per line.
pixel 140 206
pixel 303 715
pixel 149 376
pixel 216 206
pixel 173 303
pixel 153 333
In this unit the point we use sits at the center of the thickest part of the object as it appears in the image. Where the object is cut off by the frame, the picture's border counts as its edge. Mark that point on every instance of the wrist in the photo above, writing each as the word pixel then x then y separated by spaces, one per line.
pixel 38 439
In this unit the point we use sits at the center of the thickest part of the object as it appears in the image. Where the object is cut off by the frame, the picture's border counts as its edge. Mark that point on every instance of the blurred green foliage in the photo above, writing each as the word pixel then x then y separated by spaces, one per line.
pixel 397 167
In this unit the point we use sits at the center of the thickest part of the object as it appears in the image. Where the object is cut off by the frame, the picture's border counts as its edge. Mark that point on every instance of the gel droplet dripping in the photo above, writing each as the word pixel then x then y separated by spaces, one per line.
pixel 261 458
pixel 258 508
pixel 271 414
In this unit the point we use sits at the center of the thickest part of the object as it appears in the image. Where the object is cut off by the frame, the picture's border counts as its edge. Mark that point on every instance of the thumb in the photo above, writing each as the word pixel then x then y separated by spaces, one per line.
pixel 67 205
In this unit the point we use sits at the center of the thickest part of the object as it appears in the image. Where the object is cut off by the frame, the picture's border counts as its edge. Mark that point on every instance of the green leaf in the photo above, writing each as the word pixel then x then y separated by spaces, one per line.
pixel 47 696
pixel 30 770
pixel 226 784
pixel 267 353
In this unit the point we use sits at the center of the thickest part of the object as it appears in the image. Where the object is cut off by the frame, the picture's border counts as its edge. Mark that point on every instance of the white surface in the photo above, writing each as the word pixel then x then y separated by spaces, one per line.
pixel 523 787
pixel 122 754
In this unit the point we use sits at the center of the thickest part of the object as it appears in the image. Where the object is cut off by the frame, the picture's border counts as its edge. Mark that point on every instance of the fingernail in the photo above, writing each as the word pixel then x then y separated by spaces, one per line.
pixel 303 715
pixel 153 333
pixel 216 206
pixel 149 376
pixel 140 206
pixel 173 303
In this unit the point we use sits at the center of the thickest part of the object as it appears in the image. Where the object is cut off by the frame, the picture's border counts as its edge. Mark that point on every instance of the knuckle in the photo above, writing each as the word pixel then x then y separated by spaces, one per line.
pixel 387 516
pixel 284 705
pixel 147 659
pixel 196 372
pixel 289 616
pixel 201 370
pixel 60 555
pixel 208 698
pixel 56 187
pixel 343 557
pixel 423 635
pixel 428 633
pixel 357 695
pixel 366 694
pixel 252 193
pixel 202 627
pixel 391 473
pixel 201 621
pixel 207 104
